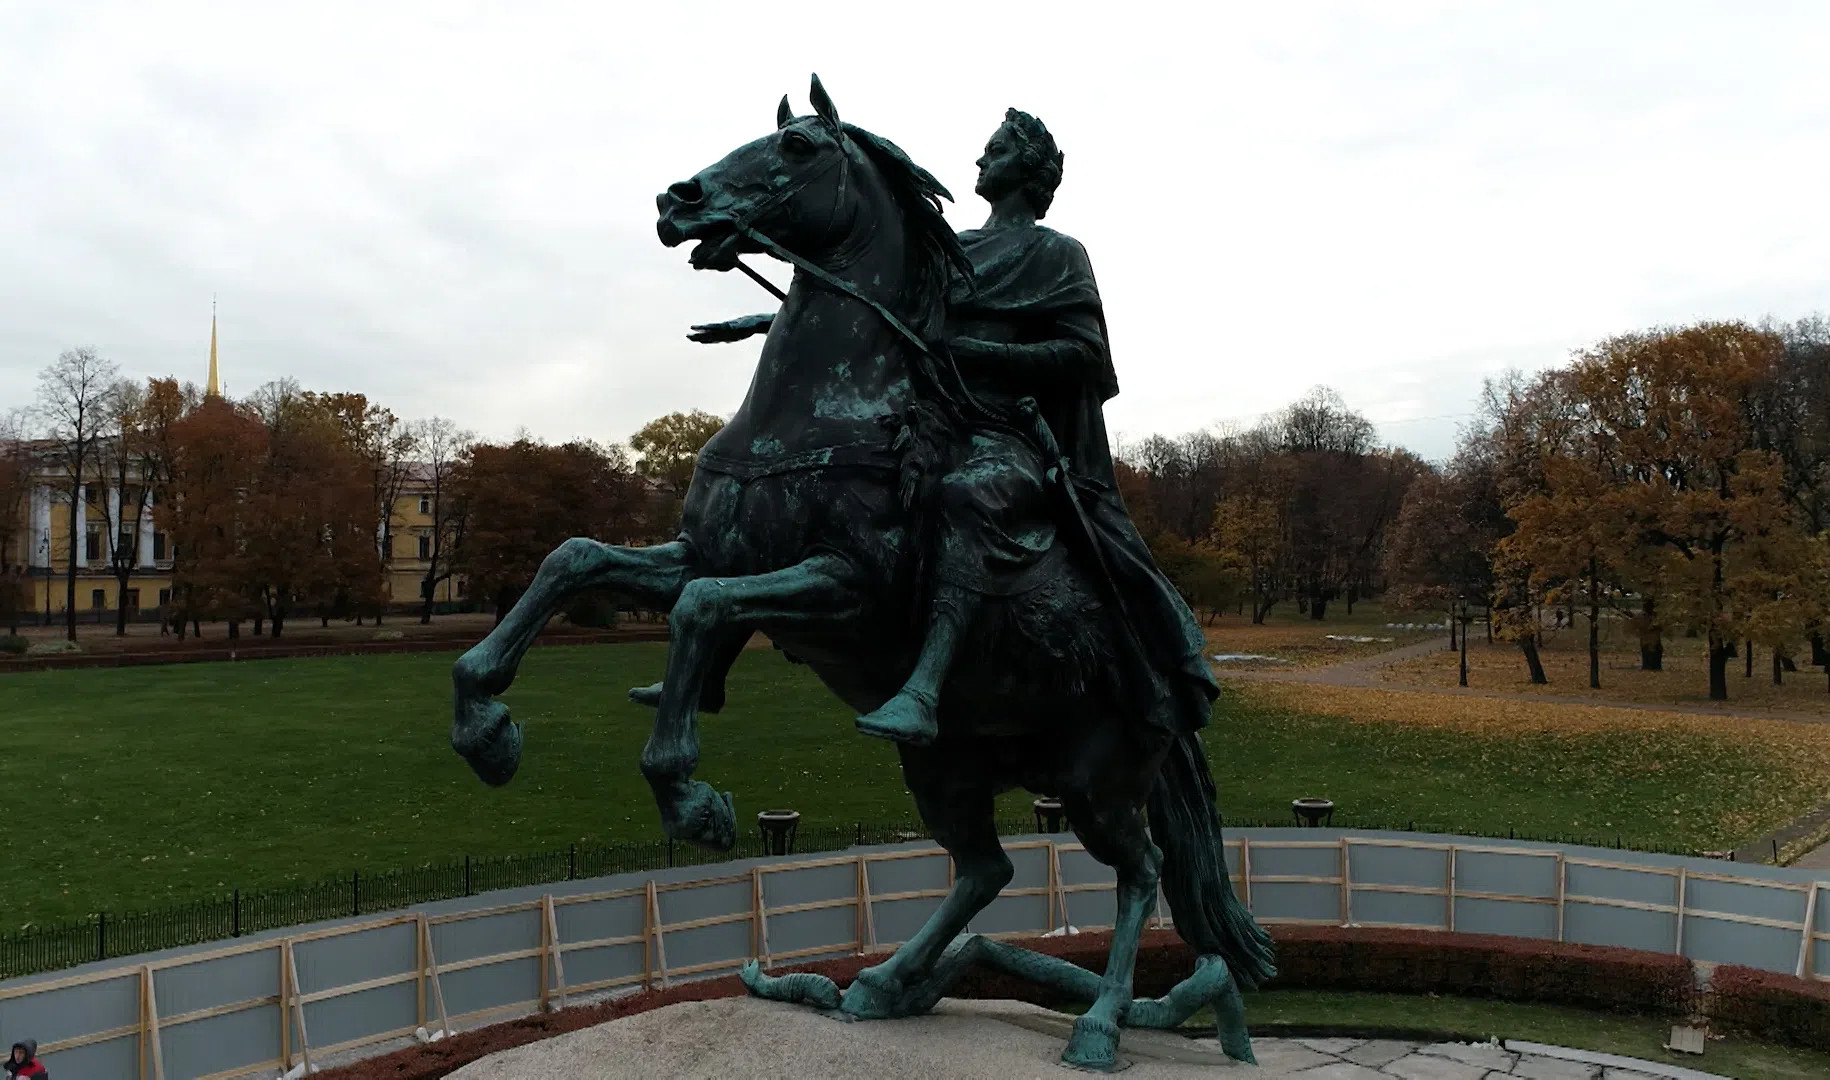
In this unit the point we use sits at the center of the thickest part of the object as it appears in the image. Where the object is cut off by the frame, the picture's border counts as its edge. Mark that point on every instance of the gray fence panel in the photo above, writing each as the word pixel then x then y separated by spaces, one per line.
pixel 785 888
pixel 834 927
pixel 1638 886
pixel 1479 915
pixel 222 981
pixel 1720 941
pixel 906 875
pixel 1507 874
pixel 897 920
pixel 491 986
pixel 488 935
pixel 1786 905
pixel 1322 862
pixel 704 901
pixel 725 944
pixel 595 920
pixel 329 962
pixel 1598 924
pixel 1420 868
pixel 1294 900
pixel 116 1057
pixel 1010 914
pixel 595 965
pixel 1403 909
pixel 74 1011
pixel 363 1014
pixel 216 1044
pixel 1077 868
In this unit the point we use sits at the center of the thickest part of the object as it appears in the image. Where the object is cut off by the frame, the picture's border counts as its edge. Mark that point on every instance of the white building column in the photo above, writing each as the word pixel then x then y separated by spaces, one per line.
pixel 41 527
pixel 145 557
pixel 112 525
pixel 81 526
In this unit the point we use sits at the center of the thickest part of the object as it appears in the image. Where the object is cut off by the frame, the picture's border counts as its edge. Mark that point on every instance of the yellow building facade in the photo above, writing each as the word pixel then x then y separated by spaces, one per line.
pixel 111 519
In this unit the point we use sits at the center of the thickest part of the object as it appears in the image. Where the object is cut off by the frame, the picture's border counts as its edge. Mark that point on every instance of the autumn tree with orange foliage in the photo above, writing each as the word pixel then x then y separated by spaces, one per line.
pixel 1702 509
pixel 211 455
pixel 526 498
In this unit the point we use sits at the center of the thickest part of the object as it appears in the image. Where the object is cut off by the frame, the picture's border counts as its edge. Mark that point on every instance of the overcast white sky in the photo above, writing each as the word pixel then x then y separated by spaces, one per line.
pixel 450 207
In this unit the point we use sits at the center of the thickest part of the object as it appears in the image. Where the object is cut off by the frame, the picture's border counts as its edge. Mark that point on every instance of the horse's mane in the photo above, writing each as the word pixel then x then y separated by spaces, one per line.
pixel 935 249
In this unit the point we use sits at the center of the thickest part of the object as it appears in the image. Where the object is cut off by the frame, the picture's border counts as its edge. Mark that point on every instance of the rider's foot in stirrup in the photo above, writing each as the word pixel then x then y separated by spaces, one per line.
pixel 647 695
pixel 906 718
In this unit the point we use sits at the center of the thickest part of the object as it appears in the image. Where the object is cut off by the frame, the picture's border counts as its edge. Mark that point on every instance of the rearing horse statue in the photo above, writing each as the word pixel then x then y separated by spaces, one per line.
pixel 804 521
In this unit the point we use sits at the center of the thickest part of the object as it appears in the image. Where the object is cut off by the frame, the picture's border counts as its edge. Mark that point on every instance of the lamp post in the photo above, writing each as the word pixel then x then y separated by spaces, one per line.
pixel 1466 618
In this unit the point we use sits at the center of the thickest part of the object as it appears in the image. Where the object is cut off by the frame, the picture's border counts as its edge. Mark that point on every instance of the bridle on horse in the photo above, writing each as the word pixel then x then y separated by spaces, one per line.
pixel 937 370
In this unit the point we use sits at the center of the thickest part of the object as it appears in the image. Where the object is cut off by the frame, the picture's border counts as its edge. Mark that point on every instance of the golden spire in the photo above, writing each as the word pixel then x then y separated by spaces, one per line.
pixel 212 390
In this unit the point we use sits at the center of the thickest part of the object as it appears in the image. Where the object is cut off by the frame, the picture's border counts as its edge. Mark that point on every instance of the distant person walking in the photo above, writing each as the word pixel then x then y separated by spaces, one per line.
pixel 23 1062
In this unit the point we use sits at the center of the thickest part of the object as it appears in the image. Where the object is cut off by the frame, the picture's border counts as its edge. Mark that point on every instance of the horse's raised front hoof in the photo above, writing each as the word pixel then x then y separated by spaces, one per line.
pixel 699 815
pixel 483 735
pixel 1094 1045
pixel 906 718
pixel 872 996
pixel 647 696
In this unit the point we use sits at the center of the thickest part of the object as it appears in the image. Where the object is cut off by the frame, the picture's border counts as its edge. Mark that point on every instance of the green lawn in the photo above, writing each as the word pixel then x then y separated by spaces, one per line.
pixel 131 787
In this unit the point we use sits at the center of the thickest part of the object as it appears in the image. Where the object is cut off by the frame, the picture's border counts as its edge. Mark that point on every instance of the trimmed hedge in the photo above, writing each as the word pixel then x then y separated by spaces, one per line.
pixel 1772 1006
pixel 1479 965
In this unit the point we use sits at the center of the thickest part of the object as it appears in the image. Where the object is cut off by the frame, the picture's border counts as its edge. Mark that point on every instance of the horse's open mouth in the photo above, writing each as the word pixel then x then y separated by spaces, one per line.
pixel 716 252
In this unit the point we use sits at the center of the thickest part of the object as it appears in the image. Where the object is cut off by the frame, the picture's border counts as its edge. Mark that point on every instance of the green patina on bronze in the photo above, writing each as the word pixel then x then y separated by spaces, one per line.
pixel 917 500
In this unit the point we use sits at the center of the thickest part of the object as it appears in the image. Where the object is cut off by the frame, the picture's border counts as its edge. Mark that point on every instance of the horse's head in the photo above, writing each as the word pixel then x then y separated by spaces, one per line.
pixel 792 184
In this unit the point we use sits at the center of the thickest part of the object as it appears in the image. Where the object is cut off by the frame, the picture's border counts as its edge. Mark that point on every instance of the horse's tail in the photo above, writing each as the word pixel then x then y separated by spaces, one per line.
pixel 1185 824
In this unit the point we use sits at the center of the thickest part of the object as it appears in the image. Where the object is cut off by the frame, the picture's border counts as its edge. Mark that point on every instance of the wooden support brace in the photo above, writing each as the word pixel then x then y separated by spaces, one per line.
pixel 554 949
pixel 438 990
pixel 1346 887
pixel 660 940
pixel 1562 891
pixel 1245 870
pixel 298 1007
pixel 1449 891
pixel 1809 938
pixel 152 1023
pixel 1683 881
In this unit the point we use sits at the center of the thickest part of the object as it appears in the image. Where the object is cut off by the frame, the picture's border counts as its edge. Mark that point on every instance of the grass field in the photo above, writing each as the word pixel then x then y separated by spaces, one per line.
pixel 1684 680
pixel 132 787
pixel 1287 634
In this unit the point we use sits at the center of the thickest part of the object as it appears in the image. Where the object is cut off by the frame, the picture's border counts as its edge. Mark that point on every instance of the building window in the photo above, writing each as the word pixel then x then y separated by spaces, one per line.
pixel 133 600
pixel 425 549
pixel 165 597
pixel 125 547
pixel 159 548
pixel 130 498
pixel 92 545
pixel 92 494
pixel 425 504
pixel 98 599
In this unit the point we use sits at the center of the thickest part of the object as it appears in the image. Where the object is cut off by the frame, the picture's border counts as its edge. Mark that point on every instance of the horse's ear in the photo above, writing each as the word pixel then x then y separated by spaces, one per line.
pixel 784 114
pixel 823 105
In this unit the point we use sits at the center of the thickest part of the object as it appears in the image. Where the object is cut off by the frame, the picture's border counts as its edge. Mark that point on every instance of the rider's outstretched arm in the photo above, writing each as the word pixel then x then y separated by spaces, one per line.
pixel 734 330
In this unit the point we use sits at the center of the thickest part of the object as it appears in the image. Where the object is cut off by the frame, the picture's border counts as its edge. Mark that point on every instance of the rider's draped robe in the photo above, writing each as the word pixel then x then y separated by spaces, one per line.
pixel 1034 299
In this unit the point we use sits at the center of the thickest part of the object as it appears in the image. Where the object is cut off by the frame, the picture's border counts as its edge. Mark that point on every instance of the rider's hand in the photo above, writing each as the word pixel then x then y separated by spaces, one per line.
pixel 734 330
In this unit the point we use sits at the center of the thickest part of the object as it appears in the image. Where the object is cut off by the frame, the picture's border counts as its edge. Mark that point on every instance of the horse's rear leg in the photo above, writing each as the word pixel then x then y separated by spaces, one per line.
pixel 960 812
pixel 1113 832
pixel 709 612
pixel 481 731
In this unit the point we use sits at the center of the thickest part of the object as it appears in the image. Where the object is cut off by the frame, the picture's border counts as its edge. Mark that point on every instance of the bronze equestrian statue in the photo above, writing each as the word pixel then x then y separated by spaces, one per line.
pixel 917 500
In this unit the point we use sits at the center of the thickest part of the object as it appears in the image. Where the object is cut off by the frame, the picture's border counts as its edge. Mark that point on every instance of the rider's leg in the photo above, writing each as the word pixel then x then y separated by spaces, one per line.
pixel 994 525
